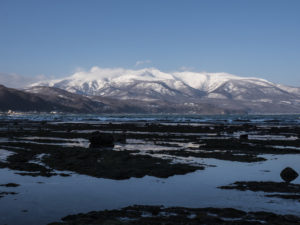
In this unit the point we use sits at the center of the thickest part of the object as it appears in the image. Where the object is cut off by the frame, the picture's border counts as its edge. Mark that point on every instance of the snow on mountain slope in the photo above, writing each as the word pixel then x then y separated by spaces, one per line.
pixel 252 90
pixel 295 90
pixel 146 83
pixel 152 84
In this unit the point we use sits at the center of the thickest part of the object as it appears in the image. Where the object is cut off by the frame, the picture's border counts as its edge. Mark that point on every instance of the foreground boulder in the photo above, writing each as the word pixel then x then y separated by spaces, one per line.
pixel 98 139
pixel 120 138
pixel 288 174
pixel 244 137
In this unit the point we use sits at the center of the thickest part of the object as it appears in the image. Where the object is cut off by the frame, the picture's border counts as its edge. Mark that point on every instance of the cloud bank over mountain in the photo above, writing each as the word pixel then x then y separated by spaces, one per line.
pixel 18 81
pixel 98 73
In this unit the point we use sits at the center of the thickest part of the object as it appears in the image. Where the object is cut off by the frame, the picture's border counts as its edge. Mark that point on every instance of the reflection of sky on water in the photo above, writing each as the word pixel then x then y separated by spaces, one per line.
pixel 60 196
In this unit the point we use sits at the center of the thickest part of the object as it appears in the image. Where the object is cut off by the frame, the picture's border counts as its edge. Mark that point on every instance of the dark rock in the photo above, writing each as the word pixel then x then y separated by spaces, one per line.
pixel 64 175
pixel 115 164
pixel 7 193
pixel 120 138
pixel 288 174
pixel 285 196
pixel 155 210
pixel 10 185
pixel 244 137
pixel 266 186
pixel 101 140
pixel 177 216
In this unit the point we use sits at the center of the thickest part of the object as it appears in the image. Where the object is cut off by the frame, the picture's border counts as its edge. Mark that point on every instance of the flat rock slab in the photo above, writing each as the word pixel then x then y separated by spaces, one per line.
pixel 266 186
pixel 282 190
pixel 10 185
pixel 158 215
pixel 2 194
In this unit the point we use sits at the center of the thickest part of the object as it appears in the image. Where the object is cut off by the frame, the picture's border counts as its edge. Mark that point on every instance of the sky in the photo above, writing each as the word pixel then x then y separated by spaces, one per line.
pixel 55 38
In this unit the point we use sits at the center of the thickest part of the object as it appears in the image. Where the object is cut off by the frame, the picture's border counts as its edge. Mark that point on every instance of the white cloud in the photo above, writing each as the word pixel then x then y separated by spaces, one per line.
pixel 186 68
pixel 142 62
pixel 18 81
pixel 108 74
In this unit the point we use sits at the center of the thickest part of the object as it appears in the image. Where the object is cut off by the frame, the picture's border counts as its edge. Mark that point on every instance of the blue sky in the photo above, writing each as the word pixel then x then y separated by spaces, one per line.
pixel 243 37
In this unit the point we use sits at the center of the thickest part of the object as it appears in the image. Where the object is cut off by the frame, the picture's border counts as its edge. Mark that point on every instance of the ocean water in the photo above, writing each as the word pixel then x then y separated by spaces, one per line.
pixel 159 118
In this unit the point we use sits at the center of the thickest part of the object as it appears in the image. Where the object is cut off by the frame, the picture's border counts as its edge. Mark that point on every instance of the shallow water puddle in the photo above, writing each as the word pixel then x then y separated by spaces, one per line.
pixel 4 154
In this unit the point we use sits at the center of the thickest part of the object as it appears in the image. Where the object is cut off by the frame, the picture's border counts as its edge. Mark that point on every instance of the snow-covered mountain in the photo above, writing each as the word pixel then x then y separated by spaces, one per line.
pixel 150 84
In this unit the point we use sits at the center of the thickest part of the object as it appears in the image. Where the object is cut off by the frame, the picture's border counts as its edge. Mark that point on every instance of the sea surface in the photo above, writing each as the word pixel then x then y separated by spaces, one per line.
pixel 159 118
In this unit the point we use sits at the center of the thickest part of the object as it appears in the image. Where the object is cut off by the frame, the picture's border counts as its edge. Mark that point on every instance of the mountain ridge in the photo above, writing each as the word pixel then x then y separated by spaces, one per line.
pixel 152 91
pixel 254 95
pixel 98 78
pixel 49 99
